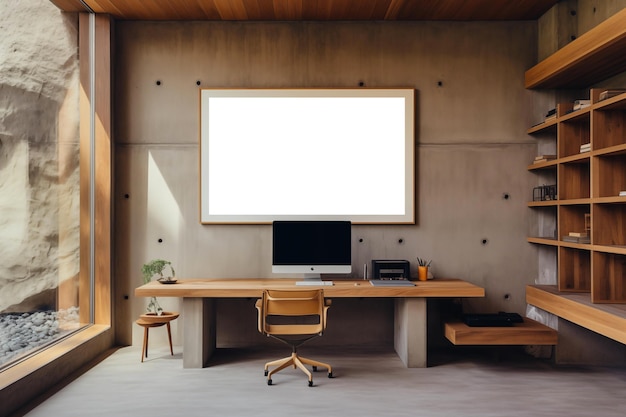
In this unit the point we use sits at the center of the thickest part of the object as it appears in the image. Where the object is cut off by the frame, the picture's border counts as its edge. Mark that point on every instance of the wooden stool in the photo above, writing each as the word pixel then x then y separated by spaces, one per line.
pixel 148 321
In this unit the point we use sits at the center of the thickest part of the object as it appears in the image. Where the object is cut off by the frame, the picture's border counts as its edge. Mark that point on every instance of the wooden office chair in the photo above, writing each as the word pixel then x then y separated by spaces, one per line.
pixel 293 317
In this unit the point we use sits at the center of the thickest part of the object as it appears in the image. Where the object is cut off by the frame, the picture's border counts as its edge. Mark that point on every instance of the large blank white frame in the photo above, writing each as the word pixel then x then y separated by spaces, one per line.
pixel 302 154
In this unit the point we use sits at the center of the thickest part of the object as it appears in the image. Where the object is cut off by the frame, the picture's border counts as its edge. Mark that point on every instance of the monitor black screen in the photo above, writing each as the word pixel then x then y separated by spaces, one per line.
pixel 311 247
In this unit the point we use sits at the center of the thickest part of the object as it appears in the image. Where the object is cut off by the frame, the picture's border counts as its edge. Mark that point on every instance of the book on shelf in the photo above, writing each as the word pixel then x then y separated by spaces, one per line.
pixel 544 158
pixel 578 234
pixel 586 147
pixel 622 193
pixel 581 106
pixel 612 92
pixel 574 239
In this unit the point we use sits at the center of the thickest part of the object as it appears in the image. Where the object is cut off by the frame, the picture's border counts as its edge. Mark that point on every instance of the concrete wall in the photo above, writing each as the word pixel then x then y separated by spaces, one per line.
pixel 563 23
pixel 590 13
pixel 569 19
pixel 472 151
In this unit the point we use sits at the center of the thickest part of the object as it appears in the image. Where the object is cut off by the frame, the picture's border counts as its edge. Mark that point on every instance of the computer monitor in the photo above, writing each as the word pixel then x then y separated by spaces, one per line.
pixel 312 248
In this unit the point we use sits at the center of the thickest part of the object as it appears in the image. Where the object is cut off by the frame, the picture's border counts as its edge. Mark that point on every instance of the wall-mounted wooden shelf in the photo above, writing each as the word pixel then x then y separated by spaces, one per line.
pixel 608 319
pixel 594 56
pixel 529 332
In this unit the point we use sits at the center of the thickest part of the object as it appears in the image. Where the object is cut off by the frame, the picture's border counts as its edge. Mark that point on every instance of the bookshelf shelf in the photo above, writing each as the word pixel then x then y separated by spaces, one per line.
pixel 577 158
pixel 610 200
pixel 615 249
pixel 617 102
pixel 548 126
pixel 543 241
pixel 543 165
pixel 619 149
pixel 576 116
pixel 581 246
pixel 550 203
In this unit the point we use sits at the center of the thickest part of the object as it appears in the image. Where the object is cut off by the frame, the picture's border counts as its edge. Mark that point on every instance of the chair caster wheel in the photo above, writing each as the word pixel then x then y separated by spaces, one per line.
pixel 330 375
pixel 310 383
pixel 265 373
pixel 314 368
pixel 269 382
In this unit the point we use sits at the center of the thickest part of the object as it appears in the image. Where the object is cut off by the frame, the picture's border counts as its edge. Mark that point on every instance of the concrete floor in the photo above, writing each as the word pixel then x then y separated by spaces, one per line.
pixel 371 382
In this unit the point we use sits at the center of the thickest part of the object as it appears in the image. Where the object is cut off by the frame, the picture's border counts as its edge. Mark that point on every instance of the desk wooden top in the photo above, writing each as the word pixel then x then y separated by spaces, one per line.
pixel 253 287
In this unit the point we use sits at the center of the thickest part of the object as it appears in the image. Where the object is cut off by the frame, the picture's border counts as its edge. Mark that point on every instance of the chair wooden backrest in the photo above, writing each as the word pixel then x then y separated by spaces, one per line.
pixel 289 306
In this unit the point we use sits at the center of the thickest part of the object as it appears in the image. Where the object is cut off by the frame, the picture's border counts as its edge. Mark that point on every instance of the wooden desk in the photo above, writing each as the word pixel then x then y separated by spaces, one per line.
pixel 410 308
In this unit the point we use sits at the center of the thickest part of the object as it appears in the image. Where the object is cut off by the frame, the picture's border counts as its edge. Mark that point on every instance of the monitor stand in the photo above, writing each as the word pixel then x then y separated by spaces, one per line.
pixel 314 280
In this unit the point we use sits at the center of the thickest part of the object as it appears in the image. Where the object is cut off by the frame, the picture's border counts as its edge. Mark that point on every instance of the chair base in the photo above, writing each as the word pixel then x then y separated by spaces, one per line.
pixel 297 362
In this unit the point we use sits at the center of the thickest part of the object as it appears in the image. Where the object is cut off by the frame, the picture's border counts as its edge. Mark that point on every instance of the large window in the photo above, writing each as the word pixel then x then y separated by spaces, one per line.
pixel 40 249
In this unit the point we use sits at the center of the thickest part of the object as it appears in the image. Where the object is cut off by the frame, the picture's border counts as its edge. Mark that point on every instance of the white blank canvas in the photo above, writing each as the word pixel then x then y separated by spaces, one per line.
pixel 340 154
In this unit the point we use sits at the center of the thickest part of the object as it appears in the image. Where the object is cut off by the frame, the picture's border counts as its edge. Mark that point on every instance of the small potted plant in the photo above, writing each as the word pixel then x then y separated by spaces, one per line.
pixel 422 268
pixel 149 270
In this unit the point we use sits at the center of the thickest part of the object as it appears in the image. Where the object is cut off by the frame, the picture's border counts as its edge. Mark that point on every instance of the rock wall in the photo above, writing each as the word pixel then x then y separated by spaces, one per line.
pixel 39 158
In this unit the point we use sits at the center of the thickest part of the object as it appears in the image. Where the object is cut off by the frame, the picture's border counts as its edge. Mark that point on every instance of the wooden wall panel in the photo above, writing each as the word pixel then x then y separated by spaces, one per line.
pixel 103 169
pixel 85 170
pixel 315 10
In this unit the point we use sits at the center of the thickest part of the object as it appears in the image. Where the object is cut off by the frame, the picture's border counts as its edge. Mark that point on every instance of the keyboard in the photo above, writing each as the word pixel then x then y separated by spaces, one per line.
pixel 391 283
pixel 314 283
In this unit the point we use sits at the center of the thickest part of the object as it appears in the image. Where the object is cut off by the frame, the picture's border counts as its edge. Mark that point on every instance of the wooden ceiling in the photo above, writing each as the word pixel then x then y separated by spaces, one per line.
pixel 456 10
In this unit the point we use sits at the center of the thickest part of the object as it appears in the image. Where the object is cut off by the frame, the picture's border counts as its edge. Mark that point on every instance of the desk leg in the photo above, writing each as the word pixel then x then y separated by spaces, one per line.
pixel 198 331
pixel 410 331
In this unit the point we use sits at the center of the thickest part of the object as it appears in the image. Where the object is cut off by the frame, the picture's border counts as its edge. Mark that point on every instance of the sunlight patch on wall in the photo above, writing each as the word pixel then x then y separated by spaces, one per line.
pixel 164 214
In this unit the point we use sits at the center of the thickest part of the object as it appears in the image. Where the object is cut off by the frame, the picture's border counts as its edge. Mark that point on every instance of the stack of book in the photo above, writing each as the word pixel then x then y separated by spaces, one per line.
pixel 550 115
pixel 577 237
pixel 622 193
pixel 611 93
pixel 581 104
pixel 543 158
pixel 585 147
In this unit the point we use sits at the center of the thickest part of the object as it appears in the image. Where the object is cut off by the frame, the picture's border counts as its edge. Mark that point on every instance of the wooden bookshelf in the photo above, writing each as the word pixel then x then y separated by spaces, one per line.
pixel 588 187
